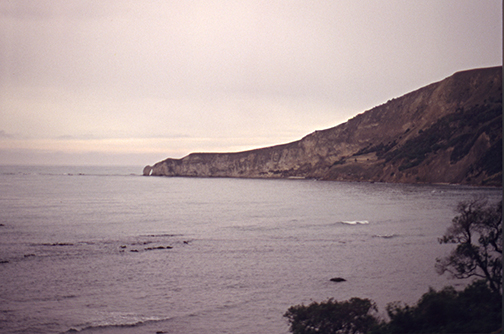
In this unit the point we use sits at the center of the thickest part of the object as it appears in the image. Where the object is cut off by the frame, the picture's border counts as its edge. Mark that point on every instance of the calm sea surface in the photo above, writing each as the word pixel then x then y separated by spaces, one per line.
pixel 105 250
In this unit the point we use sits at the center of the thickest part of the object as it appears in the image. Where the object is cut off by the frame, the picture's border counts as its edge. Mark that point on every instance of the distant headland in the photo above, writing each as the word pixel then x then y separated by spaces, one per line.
pixel 447 132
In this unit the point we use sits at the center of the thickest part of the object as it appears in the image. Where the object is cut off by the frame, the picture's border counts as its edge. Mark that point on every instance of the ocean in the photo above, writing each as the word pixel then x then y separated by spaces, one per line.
pixel 106 250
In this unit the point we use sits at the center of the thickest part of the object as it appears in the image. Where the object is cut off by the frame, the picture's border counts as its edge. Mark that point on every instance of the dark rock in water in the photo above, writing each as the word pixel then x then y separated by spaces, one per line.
pixel 4 261
pixel 338 279
pixel 2 225
pixel 134 250
pixel 29 255
pixel 159 247
pixel 123 246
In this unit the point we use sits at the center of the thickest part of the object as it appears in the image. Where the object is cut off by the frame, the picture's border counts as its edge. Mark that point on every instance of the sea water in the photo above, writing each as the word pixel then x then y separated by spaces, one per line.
pixel 105 250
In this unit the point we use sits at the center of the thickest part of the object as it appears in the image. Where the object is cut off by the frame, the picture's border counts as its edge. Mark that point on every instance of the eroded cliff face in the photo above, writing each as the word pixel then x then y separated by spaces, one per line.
pixel 446 132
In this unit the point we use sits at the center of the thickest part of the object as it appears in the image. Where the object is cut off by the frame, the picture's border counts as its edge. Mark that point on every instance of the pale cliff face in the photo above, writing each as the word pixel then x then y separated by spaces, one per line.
pixel 409 139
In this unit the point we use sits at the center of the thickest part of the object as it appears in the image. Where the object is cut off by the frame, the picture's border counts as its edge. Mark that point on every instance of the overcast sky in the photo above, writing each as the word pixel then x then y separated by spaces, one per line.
pixel 135 82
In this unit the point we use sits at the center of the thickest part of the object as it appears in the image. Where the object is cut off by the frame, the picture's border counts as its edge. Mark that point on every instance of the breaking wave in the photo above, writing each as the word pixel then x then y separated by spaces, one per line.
pixel 355 222
pixel 116 321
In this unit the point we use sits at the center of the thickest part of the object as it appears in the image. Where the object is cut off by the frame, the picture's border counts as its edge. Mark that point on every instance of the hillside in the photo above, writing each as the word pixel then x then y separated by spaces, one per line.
pixel 447 132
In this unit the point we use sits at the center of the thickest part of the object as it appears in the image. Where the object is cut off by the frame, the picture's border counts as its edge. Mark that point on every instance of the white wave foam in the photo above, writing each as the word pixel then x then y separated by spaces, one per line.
pixel 355 222
pixel 118 321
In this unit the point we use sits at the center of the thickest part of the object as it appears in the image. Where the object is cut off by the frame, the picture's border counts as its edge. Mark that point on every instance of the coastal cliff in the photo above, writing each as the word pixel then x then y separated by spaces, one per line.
pixel 447 132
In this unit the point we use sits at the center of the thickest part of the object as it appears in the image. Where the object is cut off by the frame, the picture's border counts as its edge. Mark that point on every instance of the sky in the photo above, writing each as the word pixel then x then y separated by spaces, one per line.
pixel 120 82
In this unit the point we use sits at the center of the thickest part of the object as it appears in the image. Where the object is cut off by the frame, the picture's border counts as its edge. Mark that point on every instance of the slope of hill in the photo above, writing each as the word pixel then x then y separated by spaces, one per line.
pixel 446 132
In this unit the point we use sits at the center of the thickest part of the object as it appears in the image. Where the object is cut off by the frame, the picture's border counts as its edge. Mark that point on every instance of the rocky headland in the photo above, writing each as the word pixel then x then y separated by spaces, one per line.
pixel 447 132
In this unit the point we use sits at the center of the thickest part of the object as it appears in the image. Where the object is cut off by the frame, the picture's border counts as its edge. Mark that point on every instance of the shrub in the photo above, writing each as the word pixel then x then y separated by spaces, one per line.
pixel 477 309
pixel 347 317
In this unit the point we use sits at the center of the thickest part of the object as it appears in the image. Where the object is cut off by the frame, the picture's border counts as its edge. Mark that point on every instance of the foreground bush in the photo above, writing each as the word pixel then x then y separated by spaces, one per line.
pixel 347 317
pixel 477 309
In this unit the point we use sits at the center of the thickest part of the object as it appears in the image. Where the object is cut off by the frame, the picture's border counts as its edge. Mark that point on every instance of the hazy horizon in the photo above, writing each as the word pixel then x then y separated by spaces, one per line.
pixel 133 83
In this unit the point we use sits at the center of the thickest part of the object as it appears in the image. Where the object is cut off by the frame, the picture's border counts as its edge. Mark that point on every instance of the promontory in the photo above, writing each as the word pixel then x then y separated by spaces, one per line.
pixel 447 132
